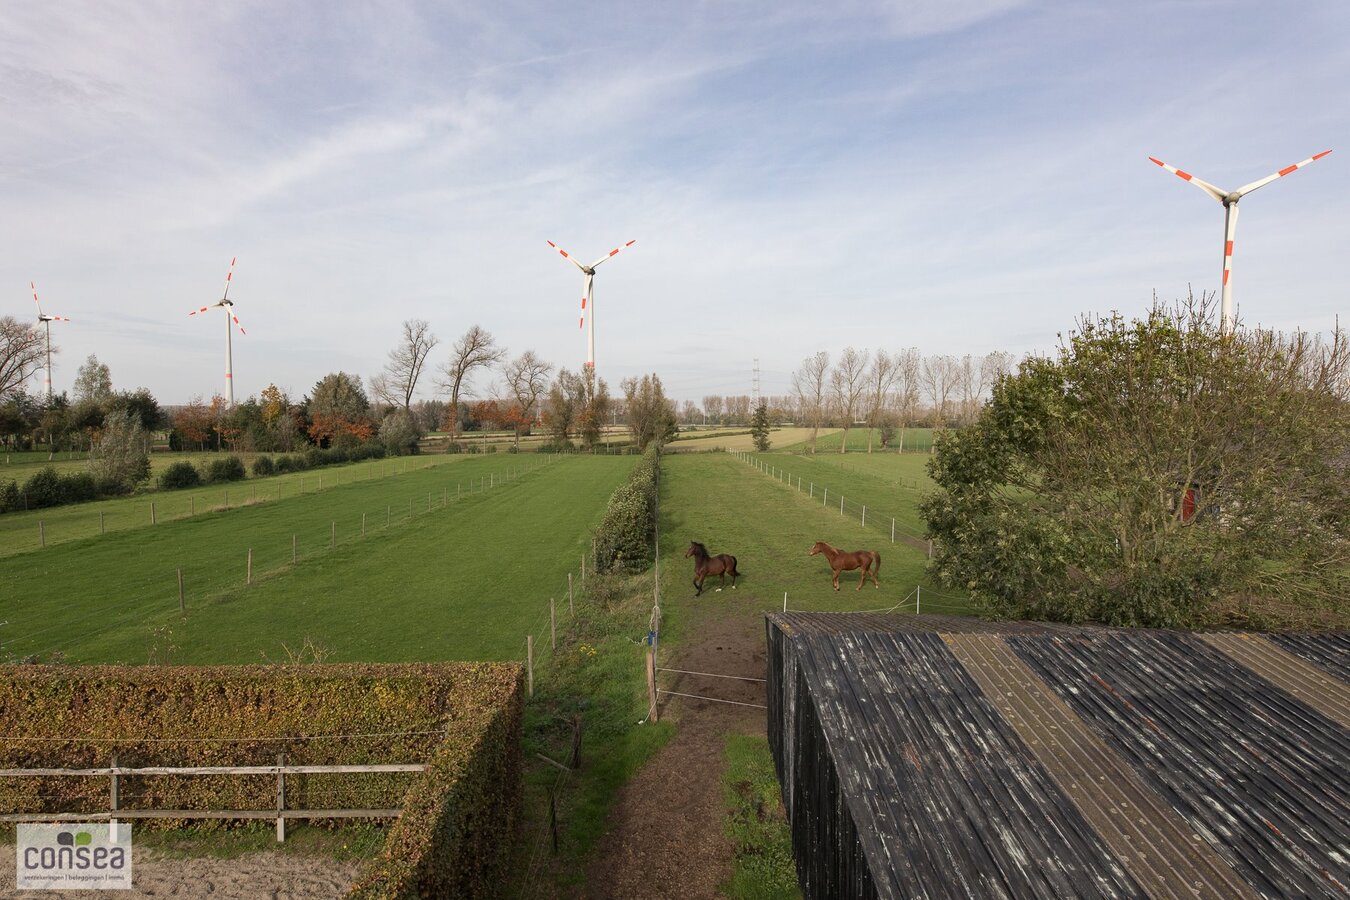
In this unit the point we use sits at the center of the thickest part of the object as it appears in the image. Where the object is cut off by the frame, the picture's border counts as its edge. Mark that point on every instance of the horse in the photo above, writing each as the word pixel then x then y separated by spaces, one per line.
pixel 842 561
pixel 705 565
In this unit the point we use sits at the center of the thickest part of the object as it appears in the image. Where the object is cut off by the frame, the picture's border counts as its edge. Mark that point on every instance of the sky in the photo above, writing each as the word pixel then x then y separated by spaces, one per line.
pixel 959 176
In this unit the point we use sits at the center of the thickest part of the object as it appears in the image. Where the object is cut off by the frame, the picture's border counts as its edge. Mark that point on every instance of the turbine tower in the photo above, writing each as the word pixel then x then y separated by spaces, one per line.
pixel 1230 199
pixel 588 296
pixel 231 320
pixel 46 322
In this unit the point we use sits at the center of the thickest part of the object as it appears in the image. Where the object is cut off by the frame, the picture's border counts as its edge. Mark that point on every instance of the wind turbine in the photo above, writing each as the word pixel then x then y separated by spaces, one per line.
pixel 46 322
pixel 231 320
pixel 1230 199
pixel 588 295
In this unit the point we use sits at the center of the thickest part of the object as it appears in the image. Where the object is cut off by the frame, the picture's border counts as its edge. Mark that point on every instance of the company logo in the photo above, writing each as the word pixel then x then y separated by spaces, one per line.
pixel 90 857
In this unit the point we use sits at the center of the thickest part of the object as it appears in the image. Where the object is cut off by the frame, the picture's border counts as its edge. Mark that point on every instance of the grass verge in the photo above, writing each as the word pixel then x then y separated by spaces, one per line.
pixel 756 824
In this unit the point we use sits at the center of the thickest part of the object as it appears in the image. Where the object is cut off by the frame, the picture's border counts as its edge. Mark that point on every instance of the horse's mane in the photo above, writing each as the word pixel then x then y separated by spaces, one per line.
pixel 701 549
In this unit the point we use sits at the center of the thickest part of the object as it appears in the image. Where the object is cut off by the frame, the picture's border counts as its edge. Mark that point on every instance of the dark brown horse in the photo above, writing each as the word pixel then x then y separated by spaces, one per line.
pixel 705 565
pixel 842 561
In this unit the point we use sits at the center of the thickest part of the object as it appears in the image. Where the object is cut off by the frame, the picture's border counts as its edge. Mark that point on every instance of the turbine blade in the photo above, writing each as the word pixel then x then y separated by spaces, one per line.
pixel 612 253
pixel 1248 188
pixel 1187 176
pixel 228 277
pixel 1228 243
pixel 567 256
pixel 35 298
pixel 235 319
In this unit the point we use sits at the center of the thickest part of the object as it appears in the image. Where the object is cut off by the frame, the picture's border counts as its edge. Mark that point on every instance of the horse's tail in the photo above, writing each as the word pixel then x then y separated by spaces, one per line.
pixel 876 560
pixel 734 570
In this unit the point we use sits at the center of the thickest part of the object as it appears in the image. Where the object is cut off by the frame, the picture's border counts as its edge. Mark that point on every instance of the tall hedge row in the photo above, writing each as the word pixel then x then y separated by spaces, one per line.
pixel 624 538
pixel 463 719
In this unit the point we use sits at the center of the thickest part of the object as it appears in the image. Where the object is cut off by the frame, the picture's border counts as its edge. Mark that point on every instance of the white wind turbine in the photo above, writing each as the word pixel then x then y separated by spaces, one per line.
pixel 588 295
pixel 1230 199
pixel 46 322
pixel 231 320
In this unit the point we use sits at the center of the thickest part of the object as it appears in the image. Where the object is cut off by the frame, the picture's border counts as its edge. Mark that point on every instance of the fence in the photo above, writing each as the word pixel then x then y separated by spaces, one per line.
pixel 281 813
pixel 202 579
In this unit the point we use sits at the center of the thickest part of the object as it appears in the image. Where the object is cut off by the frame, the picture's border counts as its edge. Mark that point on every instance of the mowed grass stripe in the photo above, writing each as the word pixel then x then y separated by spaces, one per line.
pixel 52 597
pixel 19 531
pixel 720 501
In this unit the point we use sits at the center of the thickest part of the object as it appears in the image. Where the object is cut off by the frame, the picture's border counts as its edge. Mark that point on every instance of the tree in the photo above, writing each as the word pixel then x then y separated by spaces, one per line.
pixel 21 354
pixel 880 379
pixel 193 423
pixel 759 427
pixel 397 384
pixel 808 386
pixel 848 383
pixel 476 349
pixel 526 378
pixel 140 403
pixel 119 460
pixel 712 409
pixel 1156 473
pixel 93 381
pixel 906 399
pixel 594 410
pixel 566 401
pixel 399 433
pixel 651 417
pixel 339 411
pixel 940 376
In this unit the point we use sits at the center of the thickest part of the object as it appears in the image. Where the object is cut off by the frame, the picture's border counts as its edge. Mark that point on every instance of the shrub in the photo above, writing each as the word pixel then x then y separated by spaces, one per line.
pixel 290 463
pixel 43 489
pixel 180 475
pixel 263 466
pixel 314 457
pixel 10 498
pixel 80 487
pixel 230 468
pixel 119 458
pixel 623 540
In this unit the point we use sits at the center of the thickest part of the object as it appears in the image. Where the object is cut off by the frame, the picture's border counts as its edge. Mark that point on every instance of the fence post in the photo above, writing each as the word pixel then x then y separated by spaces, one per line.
pixel 930 549
pixel 227 499
pixel 152 512
pixel 281 798
pixel 825 497
pixel 114 797
pixel 180 590
pixel 428 501
pixel 864 517
pixel 363 524
pixel 529 664
pixel 569 590
pixel 388 514
pixel 583 570
pixel 812 492
pixel 651 686
pixel 552 626
pixel 192 506
pixel 42 533
pixel 293 556
pixel 841 505
pixel 332 537
pixel 248 575
pixel 100 523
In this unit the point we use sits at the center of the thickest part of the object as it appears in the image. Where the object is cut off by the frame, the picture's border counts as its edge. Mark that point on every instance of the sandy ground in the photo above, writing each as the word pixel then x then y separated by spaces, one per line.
pixel 665 834
pixel 255 876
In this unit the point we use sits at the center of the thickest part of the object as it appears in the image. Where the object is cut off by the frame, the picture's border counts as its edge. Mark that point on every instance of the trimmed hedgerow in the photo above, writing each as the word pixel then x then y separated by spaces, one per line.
pixel 463 719
pixel 263 466
pixel 180 475
pixel 228 468
pixel 624 537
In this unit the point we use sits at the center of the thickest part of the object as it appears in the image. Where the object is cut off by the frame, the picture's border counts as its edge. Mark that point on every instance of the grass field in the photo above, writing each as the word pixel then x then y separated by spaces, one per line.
pixel 19 531
pixel 465 580
pixel 916 440
pixel 736 439
pixel 728 505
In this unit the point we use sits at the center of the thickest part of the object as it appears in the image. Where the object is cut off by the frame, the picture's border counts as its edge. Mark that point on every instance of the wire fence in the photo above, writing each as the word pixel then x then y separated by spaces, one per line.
pixel 213 571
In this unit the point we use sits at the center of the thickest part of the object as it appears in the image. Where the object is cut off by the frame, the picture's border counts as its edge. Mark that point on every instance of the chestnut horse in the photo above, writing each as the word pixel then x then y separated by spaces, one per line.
pixel 841 561
pixel 705 565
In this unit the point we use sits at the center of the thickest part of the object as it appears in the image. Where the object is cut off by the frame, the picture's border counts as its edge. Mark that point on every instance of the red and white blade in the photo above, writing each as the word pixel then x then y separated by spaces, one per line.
pixel 1248 188
pixel 567 256
pixel 235 319
pixel 1205 186
pixel 35 297
pixel 229 276
pixel 612 253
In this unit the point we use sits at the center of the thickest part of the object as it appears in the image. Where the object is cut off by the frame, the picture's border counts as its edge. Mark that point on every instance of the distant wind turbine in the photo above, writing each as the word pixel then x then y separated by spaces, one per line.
pixel 231 320
pixel 46 322
pixel 588 295
pixel 1230 199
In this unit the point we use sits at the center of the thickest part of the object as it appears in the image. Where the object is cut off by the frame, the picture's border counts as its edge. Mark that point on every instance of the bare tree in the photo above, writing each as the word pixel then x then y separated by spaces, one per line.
pixel 712 408
pixel 475 350
pixel 526 378
pixel 397 384
pixel 21 350
pixel 848 382
pixel 996 365
pixel 880 378
pixel 808 386
pixel 907 371
pixel 940 377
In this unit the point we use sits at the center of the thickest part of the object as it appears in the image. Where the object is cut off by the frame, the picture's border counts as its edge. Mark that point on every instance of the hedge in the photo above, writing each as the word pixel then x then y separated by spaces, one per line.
pixel 460 814
pixel 624 537
pixel 47 487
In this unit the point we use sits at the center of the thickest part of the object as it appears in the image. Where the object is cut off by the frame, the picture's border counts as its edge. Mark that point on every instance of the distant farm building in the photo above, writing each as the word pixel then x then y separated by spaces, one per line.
pixel 931 756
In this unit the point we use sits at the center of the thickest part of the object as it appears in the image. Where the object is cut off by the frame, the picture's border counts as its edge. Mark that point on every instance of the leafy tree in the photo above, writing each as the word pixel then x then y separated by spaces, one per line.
pixel 339 411
pixel 527 379
pixel 399 432
pixel 759 426
pixel 595 408
pixel 193 423
pixel 118 459
pixel 566 402
pixel 140 403
pixel 651 417
pixel 1156 473
pixel 93 381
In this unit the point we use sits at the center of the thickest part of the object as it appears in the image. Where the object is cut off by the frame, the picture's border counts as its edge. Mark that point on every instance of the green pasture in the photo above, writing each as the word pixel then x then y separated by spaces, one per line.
pixel 22 465
pixel 726 504
pixel 19 531
pixel 915 440
pixel 441 573
pixel 890 485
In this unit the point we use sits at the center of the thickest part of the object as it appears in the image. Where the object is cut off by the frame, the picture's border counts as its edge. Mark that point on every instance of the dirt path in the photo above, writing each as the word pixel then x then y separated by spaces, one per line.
pixel 665 834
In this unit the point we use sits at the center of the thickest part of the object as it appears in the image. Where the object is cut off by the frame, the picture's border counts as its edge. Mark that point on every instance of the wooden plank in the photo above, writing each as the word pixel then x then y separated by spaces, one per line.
pixel 223 770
